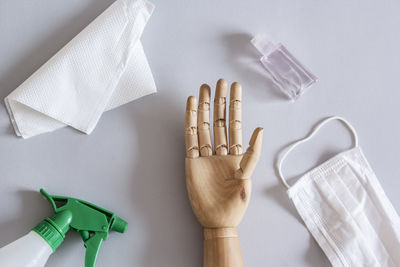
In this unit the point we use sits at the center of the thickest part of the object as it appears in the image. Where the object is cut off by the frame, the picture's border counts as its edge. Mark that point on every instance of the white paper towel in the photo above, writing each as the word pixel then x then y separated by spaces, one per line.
pixel 103 67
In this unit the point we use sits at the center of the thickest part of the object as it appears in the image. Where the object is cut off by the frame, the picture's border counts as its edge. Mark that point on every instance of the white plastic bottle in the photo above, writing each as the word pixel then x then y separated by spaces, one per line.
pixel 91 221
pixel 31 250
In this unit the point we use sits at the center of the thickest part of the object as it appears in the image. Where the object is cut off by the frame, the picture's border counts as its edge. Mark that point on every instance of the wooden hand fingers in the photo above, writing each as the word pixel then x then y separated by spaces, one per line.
pixel 235 120
pixel 220 139
pixel 250 158
pixel 203 121
pixel 192 145
pixel 197 126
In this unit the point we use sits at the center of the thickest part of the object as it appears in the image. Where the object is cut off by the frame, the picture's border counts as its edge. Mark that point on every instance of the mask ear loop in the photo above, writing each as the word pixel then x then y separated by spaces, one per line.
pixel 288 149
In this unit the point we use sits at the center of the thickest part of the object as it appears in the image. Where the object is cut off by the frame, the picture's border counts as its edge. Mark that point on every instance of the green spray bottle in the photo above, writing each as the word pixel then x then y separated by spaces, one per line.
pixel 92 222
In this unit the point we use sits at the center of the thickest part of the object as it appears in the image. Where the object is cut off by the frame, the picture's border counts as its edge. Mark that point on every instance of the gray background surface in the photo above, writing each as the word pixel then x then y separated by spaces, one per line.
pixel 133 163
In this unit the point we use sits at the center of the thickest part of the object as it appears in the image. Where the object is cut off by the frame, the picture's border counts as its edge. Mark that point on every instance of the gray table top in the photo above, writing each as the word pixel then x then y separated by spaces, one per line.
pixel 133 163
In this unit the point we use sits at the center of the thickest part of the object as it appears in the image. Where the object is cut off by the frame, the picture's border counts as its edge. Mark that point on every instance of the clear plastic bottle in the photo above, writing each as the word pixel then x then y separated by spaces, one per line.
pixel 31 250
pixel 287 72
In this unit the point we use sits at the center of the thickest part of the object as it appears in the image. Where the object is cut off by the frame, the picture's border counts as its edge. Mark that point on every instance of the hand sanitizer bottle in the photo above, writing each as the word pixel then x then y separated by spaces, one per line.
pixel 287 72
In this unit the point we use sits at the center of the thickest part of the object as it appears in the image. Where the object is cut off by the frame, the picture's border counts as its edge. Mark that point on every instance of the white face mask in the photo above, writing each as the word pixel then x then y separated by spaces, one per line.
pixel 345 208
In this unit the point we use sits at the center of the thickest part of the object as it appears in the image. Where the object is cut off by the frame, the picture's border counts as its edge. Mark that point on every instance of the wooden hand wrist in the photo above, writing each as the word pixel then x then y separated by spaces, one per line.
pixel 222 248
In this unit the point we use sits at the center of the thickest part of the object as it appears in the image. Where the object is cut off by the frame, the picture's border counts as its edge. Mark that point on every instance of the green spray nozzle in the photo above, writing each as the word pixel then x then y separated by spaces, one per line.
pixel 92 222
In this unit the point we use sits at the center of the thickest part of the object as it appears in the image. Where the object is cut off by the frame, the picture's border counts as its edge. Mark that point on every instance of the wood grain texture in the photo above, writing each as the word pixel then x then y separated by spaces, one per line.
pixel 220 139
pixel 218 184
pixel 217 198
pixel 222 248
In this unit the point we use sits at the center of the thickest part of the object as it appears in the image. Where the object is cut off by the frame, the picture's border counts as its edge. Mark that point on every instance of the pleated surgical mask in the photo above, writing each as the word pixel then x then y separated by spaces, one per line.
pixel 345 208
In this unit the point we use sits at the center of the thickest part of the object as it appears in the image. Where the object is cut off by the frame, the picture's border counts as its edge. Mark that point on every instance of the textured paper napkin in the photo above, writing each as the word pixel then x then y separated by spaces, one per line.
pixel 103 67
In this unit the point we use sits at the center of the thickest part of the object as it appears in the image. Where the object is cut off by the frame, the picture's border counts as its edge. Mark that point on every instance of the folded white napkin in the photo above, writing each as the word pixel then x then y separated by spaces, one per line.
pixel 103 67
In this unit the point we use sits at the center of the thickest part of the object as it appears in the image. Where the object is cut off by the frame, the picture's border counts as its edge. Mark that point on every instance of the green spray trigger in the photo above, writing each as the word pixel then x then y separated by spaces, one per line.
pixel 92 222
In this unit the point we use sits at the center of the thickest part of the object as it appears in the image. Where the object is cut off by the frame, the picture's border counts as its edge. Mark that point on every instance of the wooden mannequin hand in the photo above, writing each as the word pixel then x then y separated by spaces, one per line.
pixel 219 184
